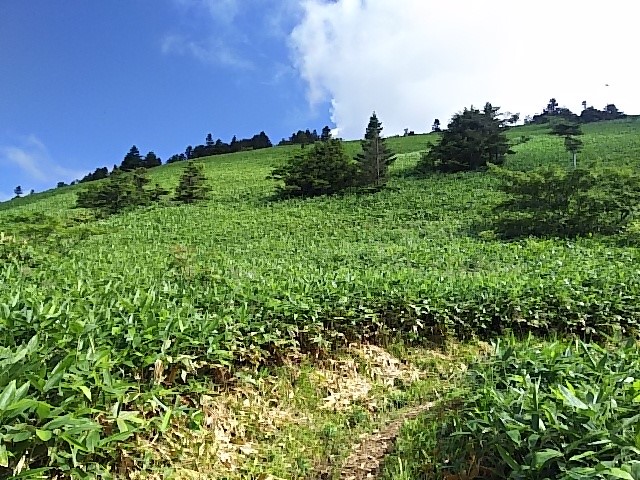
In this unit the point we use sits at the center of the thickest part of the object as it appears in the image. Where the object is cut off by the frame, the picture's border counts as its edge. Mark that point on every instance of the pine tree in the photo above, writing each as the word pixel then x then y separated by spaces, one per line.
pixel 121 191
pixel 571 144
pixel 472 139
pixel 324 169
pixel 151 160
pixel 326 134
pixel 132 160
pixel 192 185
pixel 376 157
pixel 18 191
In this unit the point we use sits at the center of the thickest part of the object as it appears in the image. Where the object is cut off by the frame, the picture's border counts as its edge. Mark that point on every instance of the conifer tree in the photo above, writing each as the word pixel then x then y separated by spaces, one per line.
pixel 472 139
pixel 121 191
pixel 376 157
pixel 132 160
pixel 151 160
pixel 326 134
pixel 324 169
pixel 571 144
pixel 192 185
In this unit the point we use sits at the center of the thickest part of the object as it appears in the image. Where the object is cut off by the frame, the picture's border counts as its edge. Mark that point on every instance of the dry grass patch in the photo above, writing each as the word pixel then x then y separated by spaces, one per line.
pixel 295 420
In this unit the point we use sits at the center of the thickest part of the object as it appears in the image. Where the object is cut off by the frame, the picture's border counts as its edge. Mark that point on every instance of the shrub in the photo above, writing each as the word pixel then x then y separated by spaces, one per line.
pixel 554 202
pixel 324 169
pixel 119 192
pixel 562 411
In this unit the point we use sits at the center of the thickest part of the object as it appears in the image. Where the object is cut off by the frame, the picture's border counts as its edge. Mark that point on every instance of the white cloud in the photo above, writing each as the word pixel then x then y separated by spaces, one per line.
pixel 415 60
pixel 211 51
pixel 31 165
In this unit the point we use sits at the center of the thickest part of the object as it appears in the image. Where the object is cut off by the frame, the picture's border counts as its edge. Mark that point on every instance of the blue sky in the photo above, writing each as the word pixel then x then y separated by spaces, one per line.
pixel 82 81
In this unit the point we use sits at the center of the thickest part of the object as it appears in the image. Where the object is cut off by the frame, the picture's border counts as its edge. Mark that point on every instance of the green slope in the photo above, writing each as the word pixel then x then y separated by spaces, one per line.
pixel 242 280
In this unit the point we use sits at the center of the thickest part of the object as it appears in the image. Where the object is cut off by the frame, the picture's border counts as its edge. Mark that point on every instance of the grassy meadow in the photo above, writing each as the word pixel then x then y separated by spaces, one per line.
pixel 125 342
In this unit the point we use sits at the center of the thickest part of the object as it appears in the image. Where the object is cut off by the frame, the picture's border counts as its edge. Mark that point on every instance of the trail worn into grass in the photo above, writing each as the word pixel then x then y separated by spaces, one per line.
pixel 367 456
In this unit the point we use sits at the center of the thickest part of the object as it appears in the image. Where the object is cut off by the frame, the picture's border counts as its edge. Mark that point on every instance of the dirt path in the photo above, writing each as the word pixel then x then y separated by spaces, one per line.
pixel 366 458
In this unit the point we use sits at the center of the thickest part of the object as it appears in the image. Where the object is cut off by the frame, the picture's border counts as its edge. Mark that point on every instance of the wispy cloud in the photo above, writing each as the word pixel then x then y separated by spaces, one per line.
pixel 217 46
pixel 222 11
pixel 225 39
pixel 211 51
pixel 29 162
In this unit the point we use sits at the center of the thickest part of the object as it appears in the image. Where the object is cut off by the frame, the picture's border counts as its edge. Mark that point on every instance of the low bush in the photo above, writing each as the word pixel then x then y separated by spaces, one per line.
pixel 554 202
pixel 556 410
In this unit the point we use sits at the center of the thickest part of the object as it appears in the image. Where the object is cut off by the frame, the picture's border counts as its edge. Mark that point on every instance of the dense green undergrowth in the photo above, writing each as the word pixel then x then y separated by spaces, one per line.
pixel 89 309
pixel 533 411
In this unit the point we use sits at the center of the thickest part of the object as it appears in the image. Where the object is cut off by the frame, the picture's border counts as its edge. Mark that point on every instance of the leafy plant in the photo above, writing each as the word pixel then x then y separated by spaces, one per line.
pixel 555 202
pixel 556 410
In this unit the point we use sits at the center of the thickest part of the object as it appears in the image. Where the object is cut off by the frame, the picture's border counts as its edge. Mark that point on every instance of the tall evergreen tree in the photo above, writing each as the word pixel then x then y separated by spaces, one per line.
pixel 326 134
pixel 209 140
pixel 18 191
pixel 570 132
pixel 472 139
pixel 192 185
pixel 98 174
pixel 376 157
pixel 132 160
pixel 151 160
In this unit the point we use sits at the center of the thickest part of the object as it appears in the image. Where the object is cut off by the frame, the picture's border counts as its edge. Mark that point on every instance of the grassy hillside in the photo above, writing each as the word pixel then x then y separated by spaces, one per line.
pixel 241 280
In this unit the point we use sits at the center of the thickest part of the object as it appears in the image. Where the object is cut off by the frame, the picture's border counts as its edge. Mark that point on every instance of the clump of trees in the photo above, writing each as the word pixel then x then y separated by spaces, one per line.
pixel 306 137
pixel 213 147
pixel 566 203
pixel 218 147
pixel 326 168
pixel 473 139
pixel 553 112
pixel 591 114
pixel 98 174
pixel 120 192
pixel 126 190
pixel 133 160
